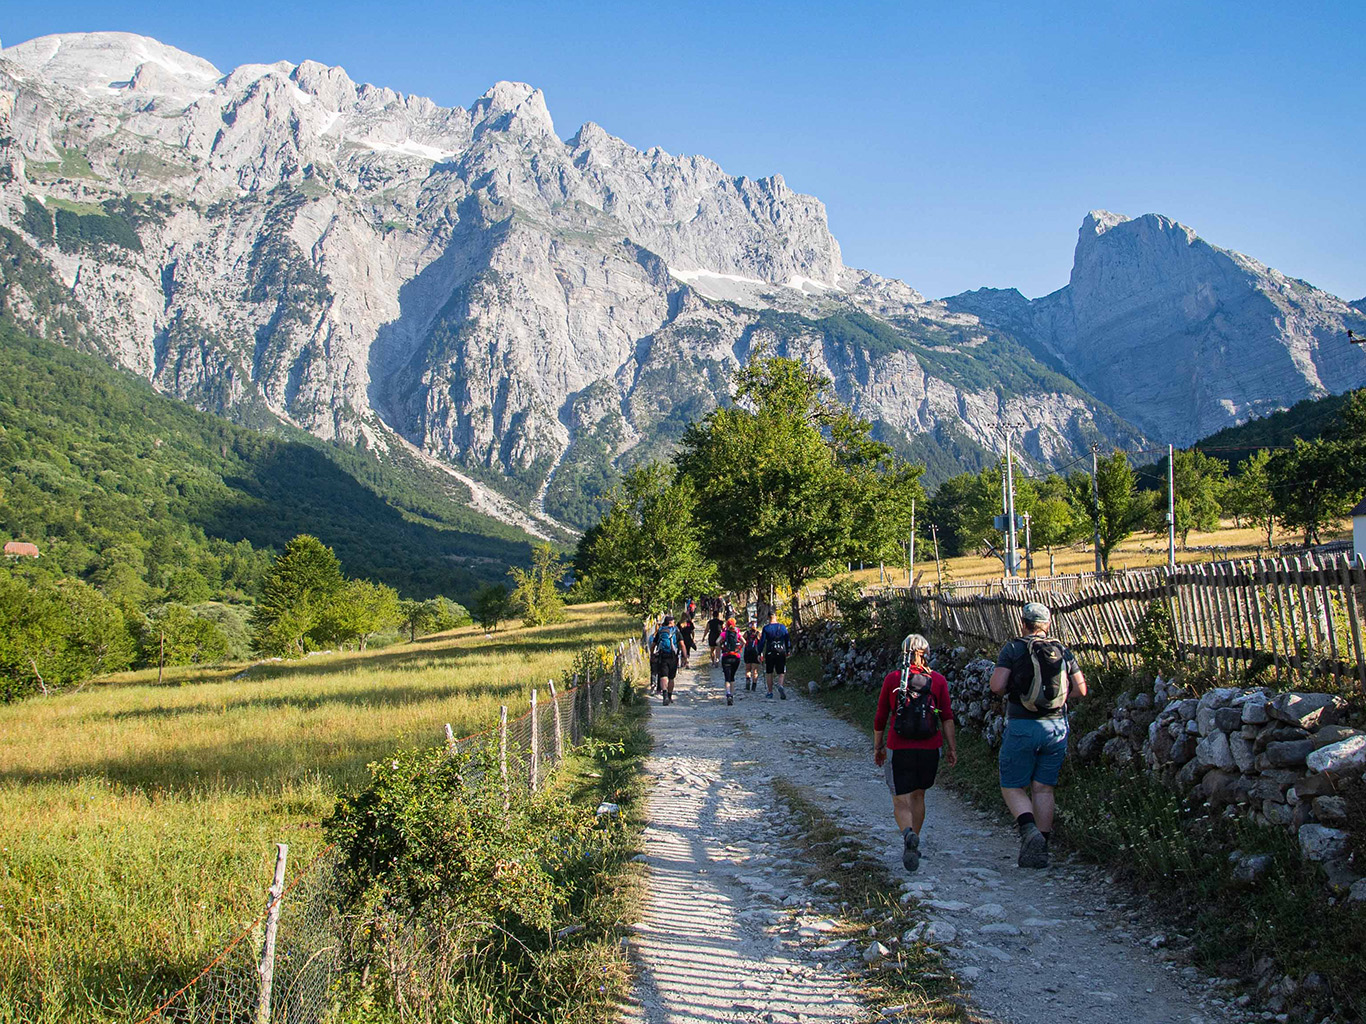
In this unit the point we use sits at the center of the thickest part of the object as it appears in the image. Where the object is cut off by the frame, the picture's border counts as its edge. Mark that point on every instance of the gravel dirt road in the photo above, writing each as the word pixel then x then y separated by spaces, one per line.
pixel 732 931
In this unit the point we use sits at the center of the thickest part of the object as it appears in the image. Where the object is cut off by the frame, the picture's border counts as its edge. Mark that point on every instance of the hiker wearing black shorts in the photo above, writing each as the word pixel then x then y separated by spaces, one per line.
pixel 774 645
pixel 714 625
pixel 920 717
pixel 666 645
pixel 1039 676
pixel 686 630
pixel 752 656
pixel 731 643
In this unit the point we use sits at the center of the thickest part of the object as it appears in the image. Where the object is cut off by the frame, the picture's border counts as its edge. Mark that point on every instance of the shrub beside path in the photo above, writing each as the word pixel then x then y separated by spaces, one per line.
pixel 734 931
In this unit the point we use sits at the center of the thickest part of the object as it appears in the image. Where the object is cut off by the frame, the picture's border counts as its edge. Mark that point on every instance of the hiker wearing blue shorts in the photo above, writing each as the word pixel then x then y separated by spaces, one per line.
pixel 1039 676
pixel 774 646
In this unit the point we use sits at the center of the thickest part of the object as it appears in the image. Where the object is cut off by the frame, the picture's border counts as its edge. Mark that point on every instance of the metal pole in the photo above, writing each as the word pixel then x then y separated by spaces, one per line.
pixel 1171 507
pixel 1011 555
pixel 1095 502
pixel 1029 548
pixel 266 969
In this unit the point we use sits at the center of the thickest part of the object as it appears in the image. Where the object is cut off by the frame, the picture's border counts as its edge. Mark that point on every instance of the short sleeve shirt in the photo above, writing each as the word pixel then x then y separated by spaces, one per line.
pixel 1015 656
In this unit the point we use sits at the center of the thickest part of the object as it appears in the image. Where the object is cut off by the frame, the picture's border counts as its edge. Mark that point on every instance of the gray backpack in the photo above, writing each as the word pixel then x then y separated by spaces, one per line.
pixel 1045 689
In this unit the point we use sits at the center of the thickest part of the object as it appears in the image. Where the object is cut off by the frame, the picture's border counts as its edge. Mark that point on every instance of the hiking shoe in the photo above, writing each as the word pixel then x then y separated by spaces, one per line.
pixel 1033 849
pixel 729 700
pixel 769 695
pixel 910 851
pixel 782 693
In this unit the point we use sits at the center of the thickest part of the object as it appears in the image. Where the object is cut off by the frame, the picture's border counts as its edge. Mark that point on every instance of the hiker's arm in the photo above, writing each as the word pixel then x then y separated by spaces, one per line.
pixel 884 710
pixel 1000 679
pixel 1078 687
pixel 950 743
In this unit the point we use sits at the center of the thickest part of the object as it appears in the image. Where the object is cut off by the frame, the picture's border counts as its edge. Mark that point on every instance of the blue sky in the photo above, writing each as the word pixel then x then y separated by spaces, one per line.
pixel 954 144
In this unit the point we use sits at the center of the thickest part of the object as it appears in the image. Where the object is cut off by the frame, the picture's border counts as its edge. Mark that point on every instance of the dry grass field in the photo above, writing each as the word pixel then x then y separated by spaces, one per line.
pixel 138 819
pixel 1142 549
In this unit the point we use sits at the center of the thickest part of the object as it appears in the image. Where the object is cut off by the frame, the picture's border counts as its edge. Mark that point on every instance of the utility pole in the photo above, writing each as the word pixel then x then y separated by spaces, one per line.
pixel 1012 557
pixel 934 532
pixel 1171 507
pixel 910 558
pixel 1095 503
pixel 1029 548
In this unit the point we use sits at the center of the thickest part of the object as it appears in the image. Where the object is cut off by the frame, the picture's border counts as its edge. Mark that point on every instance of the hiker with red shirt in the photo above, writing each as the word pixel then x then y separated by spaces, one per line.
pixel 920 717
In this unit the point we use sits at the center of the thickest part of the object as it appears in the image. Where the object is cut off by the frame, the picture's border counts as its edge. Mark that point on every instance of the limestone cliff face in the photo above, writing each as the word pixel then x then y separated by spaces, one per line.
pixel 1180 337
pixel 280 241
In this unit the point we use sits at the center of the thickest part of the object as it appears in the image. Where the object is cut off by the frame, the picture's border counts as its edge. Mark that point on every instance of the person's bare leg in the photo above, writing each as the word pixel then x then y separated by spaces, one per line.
pixel 1042 801
pixel 903 808
pixel 1017 800
pixel 917 809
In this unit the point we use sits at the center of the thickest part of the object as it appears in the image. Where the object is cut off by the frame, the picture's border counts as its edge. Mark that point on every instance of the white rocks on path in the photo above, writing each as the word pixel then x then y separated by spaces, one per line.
pixel 732 932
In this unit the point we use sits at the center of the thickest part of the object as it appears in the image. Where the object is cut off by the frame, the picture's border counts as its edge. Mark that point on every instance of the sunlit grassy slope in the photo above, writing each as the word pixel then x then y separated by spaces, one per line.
pixel 138 820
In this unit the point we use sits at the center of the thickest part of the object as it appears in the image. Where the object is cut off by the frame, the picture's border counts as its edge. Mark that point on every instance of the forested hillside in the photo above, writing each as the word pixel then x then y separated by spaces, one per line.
pixel 135 492
pixel 1307 420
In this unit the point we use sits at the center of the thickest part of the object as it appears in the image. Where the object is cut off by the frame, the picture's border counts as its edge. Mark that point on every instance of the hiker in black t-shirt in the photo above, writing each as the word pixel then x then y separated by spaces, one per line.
pixel 1039 676
pixel 687 631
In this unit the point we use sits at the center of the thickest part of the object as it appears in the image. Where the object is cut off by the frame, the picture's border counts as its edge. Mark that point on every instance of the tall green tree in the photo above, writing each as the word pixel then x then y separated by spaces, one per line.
pixel 647 552
pixel 536 593
pixel 290 615
pixel 175 635
pixel 1118 508
pixel 1315 482
pixel 359 611
pixel 491 606
pixel 1248 494
pixel 790 483
pixel 1200 482
pixel 1053 519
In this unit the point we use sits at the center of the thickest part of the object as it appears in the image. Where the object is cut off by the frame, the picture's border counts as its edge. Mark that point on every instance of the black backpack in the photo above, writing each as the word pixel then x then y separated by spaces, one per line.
pixel 1040 681
pixel 777 644
pixel 915 717
pixel 731 642
pixel 666 640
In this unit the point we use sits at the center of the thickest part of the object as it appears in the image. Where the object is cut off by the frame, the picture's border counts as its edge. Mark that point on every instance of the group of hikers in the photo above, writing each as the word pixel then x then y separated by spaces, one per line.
pixel 914 727
pixel 1038 676
pixel 671 644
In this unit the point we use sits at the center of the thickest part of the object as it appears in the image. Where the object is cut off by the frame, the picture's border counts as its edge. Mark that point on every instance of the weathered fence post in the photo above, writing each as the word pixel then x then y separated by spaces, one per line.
pixel 559 729
pixel 535 742
pixel 266 969
pixel 450 739
pixel 503 754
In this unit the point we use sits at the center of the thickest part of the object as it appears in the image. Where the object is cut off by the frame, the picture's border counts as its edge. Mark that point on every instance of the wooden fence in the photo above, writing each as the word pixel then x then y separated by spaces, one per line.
pixel 1300 616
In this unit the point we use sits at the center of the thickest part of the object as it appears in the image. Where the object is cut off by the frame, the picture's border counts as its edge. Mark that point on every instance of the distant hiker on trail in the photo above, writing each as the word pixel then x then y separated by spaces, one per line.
pixel 714 625
pixel 687 630
pixel 691 609
pixel 921 717
pixel 666 645
pixel 731 644
pixel 775 644
pixel 647 641
pixel 752 658
pixel 1039 676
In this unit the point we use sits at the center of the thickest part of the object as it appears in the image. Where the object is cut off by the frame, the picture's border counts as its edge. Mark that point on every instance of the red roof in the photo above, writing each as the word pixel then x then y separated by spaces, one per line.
pixel 21 549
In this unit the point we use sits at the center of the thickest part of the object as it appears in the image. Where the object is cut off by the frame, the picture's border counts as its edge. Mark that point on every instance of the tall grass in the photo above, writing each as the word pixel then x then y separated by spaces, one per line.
pixel 138 819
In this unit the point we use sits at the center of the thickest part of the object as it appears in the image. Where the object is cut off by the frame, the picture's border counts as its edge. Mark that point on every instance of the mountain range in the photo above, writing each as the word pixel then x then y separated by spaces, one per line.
pixel 531 314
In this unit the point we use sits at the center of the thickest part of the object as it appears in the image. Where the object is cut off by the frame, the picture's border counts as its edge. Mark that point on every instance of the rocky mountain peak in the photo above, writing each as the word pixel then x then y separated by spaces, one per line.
pixel 103 63
pixel 513 105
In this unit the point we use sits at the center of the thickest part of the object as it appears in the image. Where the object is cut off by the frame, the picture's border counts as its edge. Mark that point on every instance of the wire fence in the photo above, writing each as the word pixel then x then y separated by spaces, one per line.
pixel 283 967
